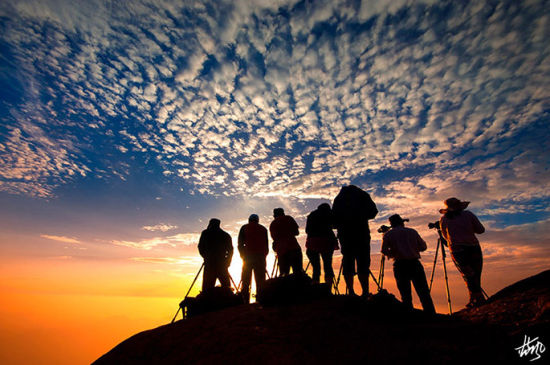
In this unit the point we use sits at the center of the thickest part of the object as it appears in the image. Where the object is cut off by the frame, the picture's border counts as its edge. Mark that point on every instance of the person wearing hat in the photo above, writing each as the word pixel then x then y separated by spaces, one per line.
pixel 284 230
pixel 216 248
pixel 459 227
pixel 404 245
pixel 253 248
pixel 321 242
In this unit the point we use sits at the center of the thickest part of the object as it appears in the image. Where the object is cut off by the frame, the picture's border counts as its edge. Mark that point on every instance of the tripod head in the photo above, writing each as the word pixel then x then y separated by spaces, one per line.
pixel 435 225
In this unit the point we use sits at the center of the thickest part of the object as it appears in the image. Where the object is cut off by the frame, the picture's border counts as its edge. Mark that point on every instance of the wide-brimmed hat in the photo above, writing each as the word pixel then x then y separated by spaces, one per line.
pixel 396 220
pixel 453 205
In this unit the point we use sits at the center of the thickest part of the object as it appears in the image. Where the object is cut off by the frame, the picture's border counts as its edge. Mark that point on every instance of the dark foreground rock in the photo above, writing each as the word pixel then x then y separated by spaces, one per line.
pixel 344 330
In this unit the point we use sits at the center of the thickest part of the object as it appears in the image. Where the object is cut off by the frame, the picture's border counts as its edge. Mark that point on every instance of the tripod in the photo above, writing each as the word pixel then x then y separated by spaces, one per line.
pixel 377 282
pixel 334 284
pixel 186 295
pixel 441 242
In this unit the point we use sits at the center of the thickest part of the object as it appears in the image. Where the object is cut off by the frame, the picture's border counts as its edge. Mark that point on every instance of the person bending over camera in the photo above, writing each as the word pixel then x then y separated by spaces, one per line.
pixel 404 245
pixel 458 227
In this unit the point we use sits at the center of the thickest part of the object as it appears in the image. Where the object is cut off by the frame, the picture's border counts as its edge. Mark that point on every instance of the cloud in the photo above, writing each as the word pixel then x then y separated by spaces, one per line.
pixel 416 101
pixel 61 238
pixel 162 227
pixel 181 260
pixel 181 239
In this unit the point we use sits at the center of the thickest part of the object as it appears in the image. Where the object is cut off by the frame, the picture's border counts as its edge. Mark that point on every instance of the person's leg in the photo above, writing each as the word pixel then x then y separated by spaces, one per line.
pixel 313 257
pixel 208 277
pixel 421 286
pixel 476 259
pixel 403 281
pixel 327 266
pixel 348 269
pixel 296 261
pixel 259 271
pixel 284 264
pixel 223 276
pixel 463 262
pixel 363 265
pixel 246 277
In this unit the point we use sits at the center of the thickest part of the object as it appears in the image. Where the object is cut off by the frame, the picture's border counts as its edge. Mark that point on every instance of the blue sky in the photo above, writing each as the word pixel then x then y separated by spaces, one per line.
pixel 133 123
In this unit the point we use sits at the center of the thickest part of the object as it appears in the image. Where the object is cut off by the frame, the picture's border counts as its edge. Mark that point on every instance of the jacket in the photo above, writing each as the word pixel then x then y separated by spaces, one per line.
pixel 352 208
pixel 459 229
pixel 402 243
pixel 215 246
pixel 253 240
pixel 320 236
pixel 284 230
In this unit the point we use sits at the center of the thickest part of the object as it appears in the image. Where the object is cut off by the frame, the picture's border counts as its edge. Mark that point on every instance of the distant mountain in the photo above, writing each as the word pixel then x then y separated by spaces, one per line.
pixel 344 330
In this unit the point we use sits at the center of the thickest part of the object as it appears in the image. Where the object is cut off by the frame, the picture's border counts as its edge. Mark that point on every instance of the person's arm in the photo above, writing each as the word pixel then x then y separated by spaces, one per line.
pixel 308 224
pixel 240 241
pixel 229 249
pixel 385 249
pixel 444 231
pixel 421 244
pixel 476 224
pixel 202 245
pixel 266 242
pixel 295 228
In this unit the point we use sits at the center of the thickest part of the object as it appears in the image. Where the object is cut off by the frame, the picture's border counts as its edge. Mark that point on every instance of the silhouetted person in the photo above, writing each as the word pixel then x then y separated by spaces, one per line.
pixel 217 250
pixel 404 245
pixel 352 208
pixel 284 230
pixel 458 227
pixel 253 248
pixel 321 241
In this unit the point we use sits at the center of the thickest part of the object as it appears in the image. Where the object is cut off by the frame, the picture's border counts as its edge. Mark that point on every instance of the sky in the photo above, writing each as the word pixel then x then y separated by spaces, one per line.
pixel 126 126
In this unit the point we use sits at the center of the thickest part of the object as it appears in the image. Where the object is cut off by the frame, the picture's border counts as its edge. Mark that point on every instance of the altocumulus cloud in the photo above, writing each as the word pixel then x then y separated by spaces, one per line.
pixel 281 98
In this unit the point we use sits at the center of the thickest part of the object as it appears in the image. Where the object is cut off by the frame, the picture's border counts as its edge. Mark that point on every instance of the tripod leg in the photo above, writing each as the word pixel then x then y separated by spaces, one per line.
pixel 274 270
pixel 194 280
pixel 374 279
pixel 446 279
pixel 435 262
pixel 335 285
pixel 381 272
pixel 174 319
pixel 339 274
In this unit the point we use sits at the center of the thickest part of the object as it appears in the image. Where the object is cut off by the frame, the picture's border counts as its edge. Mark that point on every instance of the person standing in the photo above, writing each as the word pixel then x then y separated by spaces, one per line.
pixel 404 245
pixel 284 230
pixel 321 242
pixel 253 248
pixel 459 228
pixel 216 248
pixel 352 208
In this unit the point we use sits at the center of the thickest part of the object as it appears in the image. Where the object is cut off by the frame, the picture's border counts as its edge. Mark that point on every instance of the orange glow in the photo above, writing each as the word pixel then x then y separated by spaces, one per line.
pixel 61 310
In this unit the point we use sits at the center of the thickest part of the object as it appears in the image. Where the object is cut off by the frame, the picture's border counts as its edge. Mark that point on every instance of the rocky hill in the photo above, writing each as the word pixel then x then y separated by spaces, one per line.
pixel 345 330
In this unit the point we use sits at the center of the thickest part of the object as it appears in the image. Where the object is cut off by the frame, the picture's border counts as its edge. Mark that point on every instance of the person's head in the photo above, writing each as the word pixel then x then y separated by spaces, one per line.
pixel 214 223
pixel 278 212
pixel 453 205
pixel 325 207
pixel 253 218
pixel 396 220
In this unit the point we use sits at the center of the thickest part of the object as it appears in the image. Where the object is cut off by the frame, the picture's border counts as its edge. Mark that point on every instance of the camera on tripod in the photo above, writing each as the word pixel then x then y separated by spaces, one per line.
pixel 383 228
pixel 434 225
